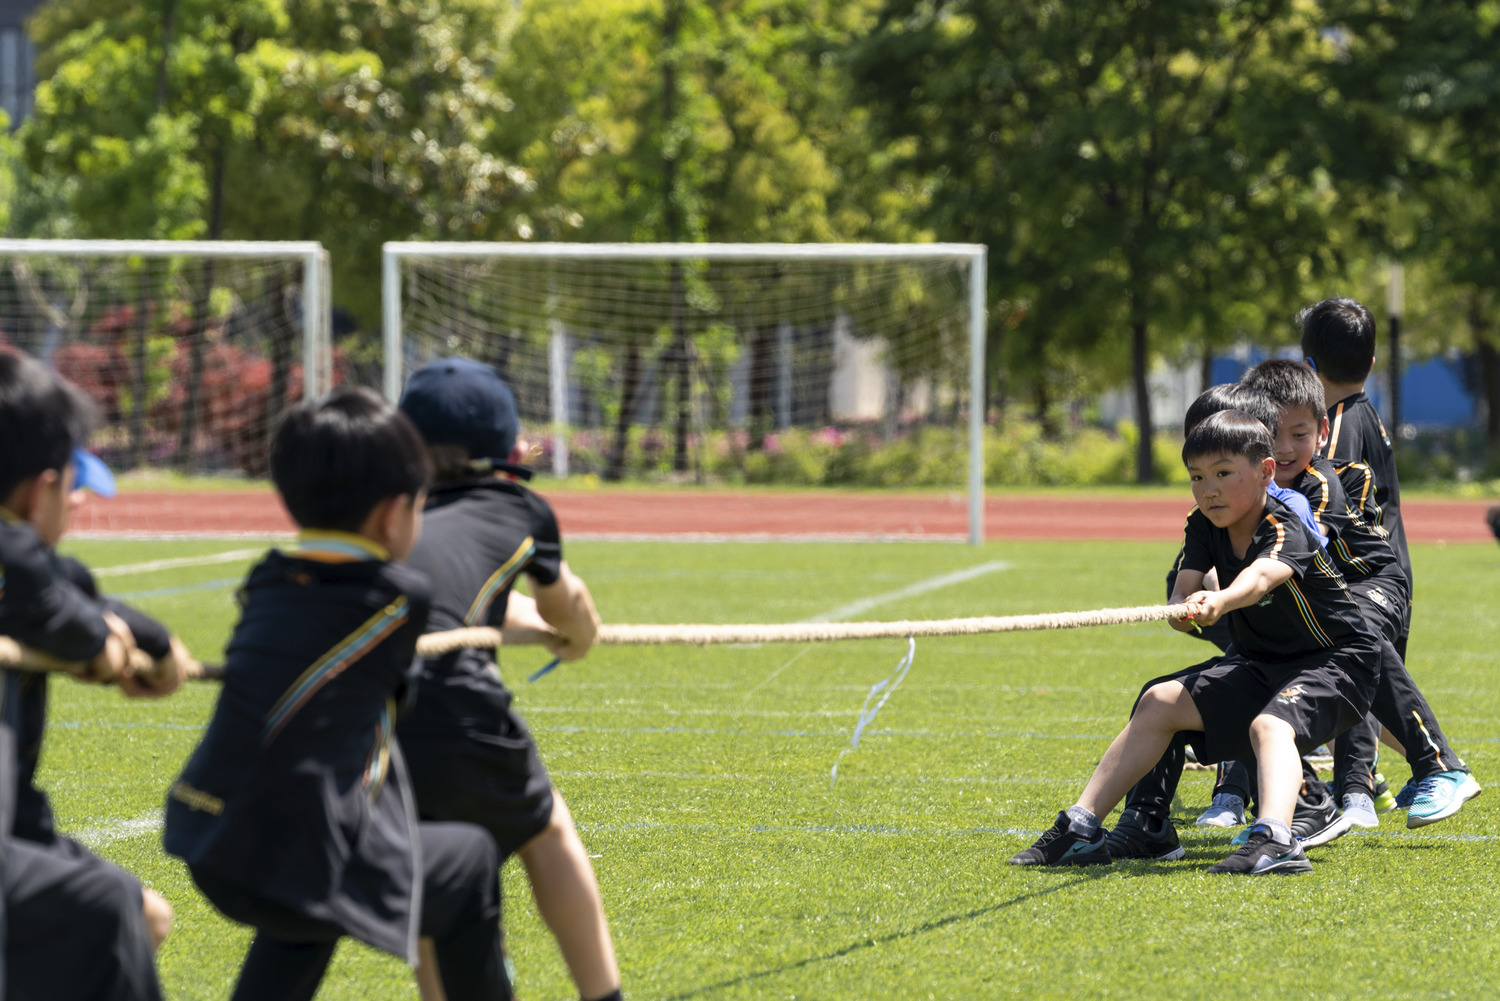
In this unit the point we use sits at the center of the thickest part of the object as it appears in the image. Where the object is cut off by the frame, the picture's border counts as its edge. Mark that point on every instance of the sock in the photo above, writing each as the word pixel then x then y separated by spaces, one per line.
pixel 1080 821
pixel 1281 833
pixel 613 995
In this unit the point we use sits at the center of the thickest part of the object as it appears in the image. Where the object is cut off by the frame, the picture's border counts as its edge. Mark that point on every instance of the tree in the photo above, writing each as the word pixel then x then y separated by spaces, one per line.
pixel 1130 165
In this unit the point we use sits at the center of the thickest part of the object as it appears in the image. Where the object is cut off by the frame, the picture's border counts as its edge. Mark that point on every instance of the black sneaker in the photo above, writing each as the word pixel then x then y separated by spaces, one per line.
pixel 1135 837
pixel 1317 820
pixel 1060 846
pixel 1263 856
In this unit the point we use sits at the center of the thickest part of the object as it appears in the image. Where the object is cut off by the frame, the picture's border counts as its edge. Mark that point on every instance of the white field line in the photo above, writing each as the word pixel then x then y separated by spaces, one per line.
pixel 863 605
pixel 124 570
pixel 107 831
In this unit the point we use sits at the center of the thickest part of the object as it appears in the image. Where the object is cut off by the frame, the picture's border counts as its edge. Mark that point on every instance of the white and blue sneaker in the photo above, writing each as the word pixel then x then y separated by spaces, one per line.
pixel 1226 810
pixel 1359 809
pixel 1440 796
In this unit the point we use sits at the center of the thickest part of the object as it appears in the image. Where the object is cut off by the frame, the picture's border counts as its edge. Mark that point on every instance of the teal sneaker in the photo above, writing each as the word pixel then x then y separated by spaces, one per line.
pixel 1440 796
pixel 1407 794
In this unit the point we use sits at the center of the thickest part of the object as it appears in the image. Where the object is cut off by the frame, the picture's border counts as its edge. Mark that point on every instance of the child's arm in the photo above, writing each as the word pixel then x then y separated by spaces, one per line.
pixel 1250 586
pixel 568 608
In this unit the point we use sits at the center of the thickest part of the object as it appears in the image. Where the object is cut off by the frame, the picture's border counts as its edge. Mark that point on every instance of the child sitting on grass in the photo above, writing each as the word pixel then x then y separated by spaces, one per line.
pixel 295 814
pixel 1301 668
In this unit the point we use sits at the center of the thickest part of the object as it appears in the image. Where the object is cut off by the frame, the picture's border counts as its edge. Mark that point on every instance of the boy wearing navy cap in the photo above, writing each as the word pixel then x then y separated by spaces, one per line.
pixel 62 902
pixel 295 814
pixel 471 757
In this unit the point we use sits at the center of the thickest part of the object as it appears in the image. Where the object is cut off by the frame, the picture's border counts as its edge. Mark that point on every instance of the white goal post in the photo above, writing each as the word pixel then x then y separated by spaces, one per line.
pixel 741 334
pixel 191 347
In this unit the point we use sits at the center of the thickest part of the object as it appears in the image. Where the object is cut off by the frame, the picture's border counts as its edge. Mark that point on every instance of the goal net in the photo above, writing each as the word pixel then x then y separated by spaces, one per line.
pixel 190 348
pixel 786 364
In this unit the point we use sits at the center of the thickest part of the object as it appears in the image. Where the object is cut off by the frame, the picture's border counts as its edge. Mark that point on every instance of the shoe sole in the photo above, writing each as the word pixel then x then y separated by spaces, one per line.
pixel 1216 822
pixel 1334 830
pixel 1357 821
pixel 1290 867
pixel 1170 855
pixel 1469 790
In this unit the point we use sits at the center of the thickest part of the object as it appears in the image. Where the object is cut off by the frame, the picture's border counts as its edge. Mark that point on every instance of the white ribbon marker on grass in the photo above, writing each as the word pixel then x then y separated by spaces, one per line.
pixel 867 714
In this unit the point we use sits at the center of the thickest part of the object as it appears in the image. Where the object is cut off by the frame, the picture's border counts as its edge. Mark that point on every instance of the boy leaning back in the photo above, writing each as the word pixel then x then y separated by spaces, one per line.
pixel 295 815
pixel 472 757
pixel 76 927
pixel 1301 669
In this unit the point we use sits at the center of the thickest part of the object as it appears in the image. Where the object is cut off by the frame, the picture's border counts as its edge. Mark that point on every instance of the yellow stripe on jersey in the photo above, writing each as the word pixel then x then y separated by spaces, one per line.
pixel 1280 536
pixel 1300 600
pixel 1333 435
pixel 1322 504
pixel 498 580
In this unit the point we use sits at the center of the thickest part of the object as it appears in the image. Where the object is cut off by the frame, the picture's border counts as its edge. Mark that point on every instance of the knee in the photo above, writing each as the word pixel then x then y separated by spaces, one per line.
pixel 1270 728
pixel 158 915
pixel 1159 700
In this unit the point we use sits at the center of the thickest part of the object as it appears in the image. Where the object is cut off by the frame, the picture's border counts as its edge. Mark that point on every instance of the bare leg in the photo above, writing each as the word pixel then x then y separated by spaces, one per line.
pixel 1164 710
pixel 567 895
pixel 158 915
pixel 1275 744
pixel 429 981
pixel 1389 740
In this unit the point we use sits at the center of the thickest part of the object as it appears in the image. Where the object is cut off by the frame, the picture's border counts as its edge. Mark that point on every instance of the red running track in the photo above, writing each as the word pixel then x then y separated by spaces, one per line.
pixel 717 515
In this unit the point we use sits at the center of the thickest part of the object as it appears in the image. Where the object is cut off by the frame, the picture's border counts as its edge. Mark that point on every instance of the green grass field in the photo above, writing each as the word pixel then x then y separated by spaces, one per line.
pixel 732 868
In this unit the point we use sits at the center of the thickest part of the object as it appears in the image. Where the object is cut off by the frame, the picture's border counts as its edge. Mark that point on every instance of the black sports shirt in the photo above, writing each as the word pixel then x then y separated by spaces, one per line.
pixel 476 540
pixel 1356 438
pixel 1359 551
pixel 1311 611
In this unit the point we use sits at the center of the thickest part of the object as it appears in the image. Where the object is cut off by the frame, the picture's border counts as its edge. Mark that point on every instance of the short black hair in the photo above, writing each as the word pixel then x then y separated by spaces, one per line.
pixel 1230 396
pixel 1229 432
pixel 1338 336
pixel 1287 384
pixel 43 418
pixel 334 458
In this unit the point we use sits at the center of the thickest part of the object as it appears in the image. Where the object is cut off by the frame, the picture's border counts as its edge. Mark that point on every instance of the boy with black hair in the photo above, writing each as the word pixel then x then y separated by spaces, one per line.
pixel 1338 344
pixel 471 756
pixel 1145 829
pixel 60 901
pixel 295 814
pixel 1300 669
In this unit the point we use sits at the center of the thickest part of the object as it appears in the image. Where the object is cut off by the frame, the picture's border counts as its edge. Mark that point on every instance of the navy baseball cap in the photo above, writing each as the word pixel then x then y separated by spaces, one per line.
pixel 90 473
pixel 459 401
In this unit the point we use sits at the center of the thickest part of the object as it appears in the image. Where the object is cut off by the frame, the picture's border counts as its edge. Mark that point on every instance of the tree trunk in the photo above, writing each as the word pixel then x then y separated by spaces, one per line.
pixel 1140 363
pixel 682 353
pixel 142 363
pixel 1206 369
pixel 189 428
pixel 761 384
pixel 1489 377
pixel 282 330
pixel 992 374
pixel 615 471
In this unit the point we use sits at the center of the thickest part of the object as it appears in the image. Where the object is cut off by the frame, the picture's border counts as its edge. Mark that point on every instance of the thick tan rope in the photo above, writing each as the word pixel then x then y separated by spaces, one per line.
pixel 434 644
pixel 13 654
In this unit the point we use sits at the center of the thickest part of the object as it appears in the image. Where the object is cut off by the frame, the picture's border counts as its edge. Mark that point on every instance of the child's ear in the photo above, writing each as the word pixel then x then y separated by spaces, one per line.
pixel 1268 469
pixel 1323 430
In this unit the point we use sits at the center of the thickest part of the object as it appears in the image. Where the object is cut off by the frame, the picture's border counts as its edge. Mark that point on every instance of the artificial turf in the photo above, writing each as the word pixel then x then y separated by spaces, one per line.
pixel 733 867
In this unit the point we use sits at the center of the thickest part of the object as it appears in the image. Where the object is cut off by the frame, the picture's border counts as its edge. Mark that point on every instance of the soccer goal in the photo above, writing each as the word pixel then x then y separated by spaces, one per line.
pixel 791 364
pixel 190 348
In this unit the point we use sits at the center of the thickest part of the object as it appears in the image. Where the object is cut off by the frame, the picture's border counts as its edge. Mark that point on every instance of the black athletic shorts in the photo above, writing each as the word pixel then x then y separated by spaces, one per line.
pixel 1319 696
pixel 493 778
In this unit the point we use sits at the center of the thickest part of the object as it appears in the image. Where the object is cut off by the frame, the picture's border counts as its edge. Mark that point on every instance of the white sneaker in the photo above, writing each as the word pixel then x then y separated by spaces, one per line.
pixel 1359 809
pixel 1227 810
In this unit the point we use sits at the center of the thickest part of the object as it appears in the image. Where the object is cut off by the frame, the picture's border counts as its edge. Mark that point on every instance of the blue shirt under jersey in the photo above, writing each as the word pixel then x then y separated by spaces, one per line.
pixel 1297 502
